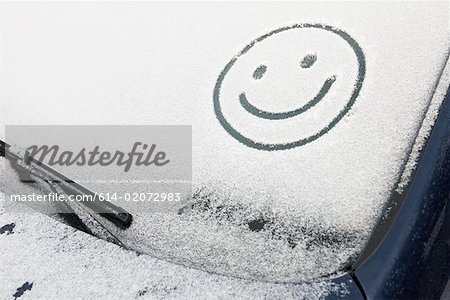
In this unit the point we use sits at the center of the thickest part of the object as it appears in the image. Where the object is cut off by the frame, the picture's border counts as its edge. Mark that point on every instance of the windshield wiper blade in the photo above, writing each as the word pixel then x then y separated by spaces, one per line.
pixel 113 213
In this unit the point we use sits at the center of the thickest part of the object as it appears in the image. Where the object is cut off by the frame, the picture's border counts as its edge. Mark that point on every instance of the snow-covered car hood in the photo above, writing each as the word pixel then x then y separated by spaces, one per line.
pixel 285 214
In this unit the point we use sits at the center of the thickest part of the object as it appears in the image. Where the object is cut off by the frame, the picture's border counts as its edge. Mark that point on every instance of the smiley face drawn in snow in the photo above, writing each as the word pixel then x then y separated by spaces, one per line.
pixel 289 87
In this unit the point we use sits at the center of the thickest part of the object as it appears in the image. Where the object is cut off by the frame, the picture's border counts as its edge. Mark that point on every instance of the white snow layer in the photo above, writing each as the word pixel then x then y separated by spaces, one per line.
pixel 64 263
pixel 157 63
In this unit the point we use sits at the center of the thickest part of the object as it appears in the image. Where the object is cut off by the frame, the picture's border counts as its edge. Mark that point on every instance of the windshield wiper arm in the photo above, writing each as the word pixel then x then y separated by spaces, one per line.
pixel 113 213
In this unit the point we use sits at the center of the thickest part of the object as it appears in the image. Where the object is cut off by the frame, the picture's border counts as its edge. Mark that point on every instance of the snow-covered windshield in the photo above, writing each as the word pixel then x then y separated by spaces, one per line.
pixel 304 115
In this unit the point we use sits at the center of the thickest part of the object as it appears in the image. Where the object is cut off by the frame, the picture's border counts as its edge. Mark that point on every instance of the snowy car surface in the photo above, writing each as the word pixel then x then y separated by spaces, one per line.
pixel 306 119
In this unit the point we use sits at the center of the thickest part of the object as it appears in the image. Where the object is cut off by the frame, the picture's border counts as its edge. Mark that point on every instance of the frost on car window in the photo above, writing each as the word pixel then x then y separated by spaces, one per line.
pixel 301 124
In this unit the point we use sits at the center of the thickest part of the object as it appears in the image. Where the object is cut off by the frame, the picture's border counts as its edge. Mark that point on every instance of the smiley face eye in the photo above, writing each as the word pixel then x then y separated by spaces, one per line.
pixel 259 72
pixel 308 61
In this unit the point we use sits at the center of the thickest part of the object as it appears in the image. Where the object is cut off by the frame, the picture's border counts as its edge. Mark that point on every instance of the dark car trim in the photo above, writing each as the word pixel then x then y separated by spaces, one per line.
pixel 411 260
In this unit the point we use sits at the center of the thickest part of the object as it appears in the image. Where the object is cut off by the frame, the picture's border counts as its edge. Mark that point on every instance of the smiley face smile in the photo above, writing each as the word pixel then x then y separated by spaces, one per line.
pixel 288 114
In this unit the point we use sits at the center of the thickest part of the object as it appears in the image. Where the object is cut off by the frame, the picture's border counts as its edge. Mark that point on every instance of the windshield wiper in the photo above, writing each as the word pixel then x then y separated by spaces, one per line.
pixel 32 171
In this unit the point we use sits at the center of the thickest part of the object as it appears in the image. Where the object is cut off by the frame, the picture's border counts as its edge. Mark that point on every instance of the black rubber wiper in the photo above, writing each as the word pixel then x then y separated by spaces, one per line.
pixel 105 209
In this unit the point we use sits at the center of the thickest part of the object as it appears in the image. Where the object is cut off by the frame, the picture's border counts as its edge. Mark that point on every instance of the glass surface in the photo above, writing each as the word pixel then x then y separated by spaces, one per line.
pixel 303 114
